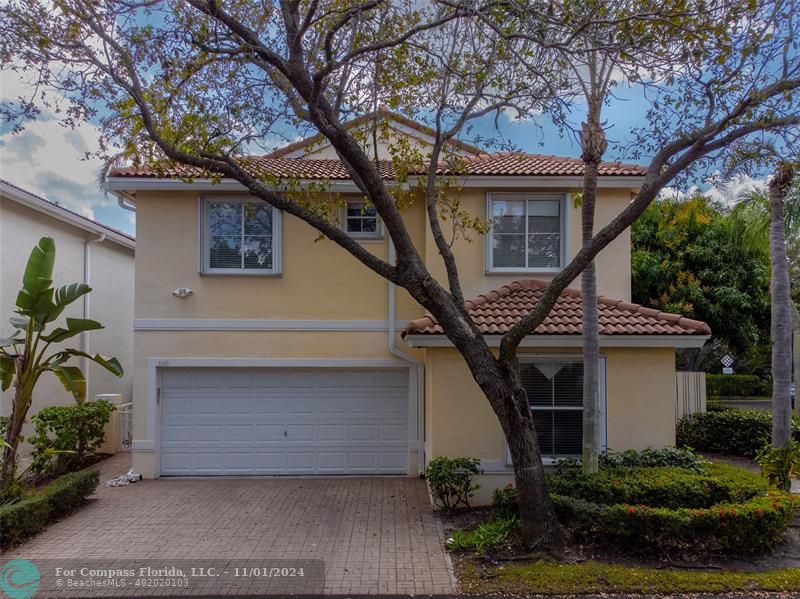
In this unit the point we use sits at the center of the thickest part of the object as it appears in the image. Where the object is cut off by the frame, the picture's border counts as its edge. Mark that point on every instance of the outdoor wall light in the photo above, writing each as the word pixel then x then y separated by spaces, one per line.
pixel 182 292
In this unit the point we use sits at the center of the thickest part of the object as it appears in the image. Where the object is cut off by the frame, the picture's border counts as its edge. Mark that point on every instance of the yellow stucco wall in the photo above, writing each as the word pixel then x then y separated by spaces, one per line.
pixel 321 281
pixel 640 412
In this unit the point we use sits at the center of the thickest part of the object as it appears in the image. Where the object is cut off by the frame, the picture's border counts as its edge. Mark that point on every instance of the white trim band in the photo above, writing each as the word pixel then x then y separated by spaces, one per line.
pixel 572 340
pixel 225 324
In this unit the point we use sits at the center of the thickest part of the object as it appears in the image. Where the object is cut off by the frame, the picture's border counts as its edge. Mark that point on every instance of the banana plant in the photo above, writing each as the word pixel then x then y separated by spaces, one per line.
pixel 29 353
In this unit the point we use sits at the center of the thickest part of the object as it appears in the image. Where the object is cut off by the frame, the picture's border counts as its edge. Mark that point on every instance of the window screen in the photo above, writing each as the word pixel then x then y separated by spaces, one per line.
pixel 240 236
pixel 362 220
pixel 526 233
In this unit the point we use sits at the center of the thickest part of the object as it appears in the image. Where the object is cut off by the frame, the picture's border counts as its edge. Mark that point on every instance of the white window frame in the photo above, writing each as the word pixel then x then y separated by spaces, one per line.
pixel 548 460
pixel 562 198
pixel 365 237
pixel 205 249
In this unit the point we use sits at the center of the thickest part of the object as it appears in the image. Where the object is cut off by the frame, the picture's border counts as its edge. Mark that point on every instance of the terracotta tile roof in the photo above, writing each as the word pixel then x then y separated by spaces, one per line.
pixel 288 168
pixel 503 164
pixel 520 163
pixel 497 311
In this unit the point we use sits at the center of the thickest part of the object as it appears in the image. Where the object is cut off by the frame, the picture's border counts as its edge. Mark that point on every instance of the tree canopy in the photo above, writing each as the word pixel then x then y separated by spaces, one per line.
pixel 686 258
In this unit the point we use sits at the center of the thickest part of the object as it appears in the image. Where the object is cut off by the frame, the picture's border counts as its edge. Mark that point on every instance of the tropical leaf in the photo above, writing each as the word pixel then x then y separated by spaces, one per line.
pixel 110 364
pixel 73 380
pixel 21 323
pixel 64 296
pixel 37 292
pixel 6 341
pixel 75 326
pixel 6 372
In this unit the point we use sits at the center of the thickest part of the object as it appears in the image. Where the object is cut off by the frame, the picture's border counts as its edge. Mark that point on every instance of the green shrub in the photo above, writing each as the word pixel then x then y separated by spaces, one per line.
pixel 737 385
pixel 679 457
pixel 487 536
pixel 732 431
pixel 780 465
pixel 659 487
pixel 25 518
pixel 728 509
pixel 505 502
pixel 72 431
pixel 450 480
pixel 753 526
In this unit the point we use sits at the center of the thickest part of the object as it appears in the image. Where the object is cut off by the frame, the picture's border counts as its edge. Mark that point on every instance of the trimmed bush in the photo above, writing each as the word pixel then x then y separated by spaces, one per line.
pixel 659 487
pixel 737 385
pixel 732 431
pixel 728 509
pixel 753 526
pixel 450 480
pixel 76 429
pixel 679 457
pixel 25 518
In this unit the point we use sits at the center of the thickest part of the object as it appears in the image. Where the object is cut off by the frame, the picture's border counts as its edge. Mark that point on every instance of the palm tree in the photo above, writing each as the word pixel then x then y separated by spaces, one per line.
pixel 766 220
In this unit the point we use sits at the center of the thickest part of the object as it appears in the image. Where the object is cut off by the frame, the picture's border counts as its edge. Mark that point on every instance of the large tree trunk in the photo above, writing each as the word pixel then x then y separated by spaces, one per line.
pixel 781 326
pixel 500 382
pixel 538 521
pixel 594 146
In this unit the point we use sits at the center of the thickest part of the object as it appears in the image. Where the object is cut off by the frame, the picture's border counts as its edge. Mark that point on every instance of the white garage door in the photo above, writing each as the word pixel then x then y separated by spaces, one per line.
pixel 243 421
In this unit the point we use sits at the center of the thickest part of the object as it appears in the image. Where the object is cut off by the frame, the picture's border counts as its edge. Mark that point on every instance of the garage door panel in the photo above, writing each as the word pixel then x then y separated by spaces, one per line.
pixel 263 421
pixel 362 432
pixel 268 403
pixel 269 432
pixel 331 432
pixel 300 433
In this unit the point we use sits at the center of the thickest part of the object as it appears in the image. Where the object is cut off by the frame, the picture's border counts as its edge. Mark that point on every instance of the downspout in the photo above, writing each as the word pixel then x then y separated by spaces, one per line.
pixel 87 278
pixel 391 333
pixel 125 200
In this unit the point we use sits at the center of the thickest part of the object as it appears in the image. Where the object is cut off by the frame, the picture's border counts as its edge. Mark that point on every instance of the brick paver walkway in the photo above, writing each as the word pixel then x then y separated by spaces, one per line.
pixel 374 534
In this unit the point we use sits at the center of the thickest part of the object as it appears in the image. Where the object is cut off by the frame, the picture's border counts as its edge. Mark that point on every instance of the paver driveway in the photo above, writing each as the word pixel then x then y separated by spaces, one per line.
pixel 375 535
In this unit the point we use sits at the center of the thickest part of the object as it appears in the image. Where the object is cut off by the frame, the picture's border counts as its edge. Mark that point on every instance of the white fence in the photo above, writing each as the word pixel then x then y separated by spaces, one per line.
pixel 690 393
pixel 125 419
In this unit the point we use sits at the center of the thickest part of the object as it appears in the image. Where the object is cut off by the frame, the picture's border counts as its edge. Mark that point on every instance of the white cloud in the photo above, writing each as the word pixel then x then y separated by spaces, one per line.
pixel 727 192
pixel 734 189
pixel 49 159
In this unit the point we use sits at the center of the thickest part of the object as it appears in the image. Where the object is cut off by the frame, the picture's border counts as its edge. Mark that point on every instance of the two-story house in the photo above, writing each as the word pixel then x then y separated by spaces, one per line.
pixel 261 350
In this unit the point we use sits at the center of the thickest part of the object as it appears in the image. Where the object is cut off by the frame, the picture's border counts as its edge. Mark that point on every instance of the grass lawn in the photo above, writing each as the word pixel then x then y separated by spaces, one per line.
pixel 549 577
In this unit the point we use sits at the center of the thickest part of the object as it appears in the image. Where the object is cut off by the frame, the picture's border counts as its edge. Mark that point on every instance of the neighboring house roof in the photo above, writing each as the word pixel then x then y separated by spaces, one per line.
pixel 504 164
pixel 40 204
pixel 497 311
pixel 381 113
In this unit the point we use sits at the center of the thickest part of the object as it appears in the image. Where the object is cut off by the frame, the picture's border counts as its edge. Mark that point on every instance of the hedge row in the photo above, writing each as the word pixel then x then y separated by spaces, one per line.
pixel 737 385
pixel 23 519
pixel 660 487
pixel 753 526
pixel 732 431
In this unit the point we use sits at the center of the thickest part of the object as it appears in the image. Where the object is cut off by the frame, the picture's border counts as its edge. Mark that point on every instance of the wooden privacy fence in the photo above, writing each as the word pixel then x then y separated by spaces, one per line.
pixel 691 393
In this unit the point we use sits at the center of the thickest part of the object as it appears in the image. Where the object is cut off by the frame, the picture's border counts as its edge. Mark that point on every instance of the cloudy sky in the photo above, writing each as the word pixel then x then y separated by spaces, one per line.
pixel 49 159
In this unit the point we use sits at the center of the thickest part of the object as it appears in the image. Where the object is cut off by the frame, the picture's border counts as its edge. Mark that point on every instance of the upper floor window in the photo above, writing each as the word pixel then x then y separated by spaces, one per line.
pixel 528 232
pixel 361 220
pixel 240 236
